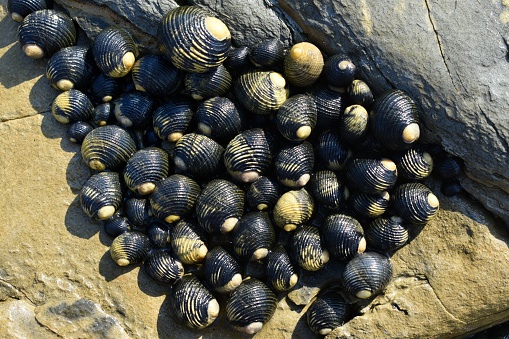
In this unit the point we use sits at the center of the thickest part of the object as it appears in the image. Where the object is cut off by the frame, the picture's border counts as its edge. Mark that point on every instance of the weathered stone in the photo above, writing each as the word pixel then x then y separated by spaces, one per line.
pixel 17 320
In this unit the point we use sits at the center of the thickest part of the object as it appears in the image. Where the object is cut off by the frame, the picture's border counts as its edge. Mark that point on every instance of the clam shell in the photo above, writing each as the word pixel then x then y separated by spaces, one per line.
pixel 137 211
pixel 370 205
pixel 268 53
pixel 161 266
pixel 19 9
pixel 331 151
pixel 263 193
pixel 371 175
pixel 222 272
pixel 253 236
pixel 328 311
pixel 296 118
pixel 134 110
pixel 330 105
pixel 386 234
pixel 353 125
pixel 280 271
pixel 343 236
pixel 415 164
pixel 129 248
pixel 101 195
pixel 360 93
pixel 339 70
pixel 145 168
pixel 72 106
pixel 308 249
pixel 104 88
pixel 219 119
pixel 198 155
pixel 172 118
pixel 71 67
pixel 303 64
pixel 237 59
pixel 415 202
pixel 294 164
pixel 156 76
pixel 328 189
pixel 78 131
pixel 293 208
pixel 448 167
pixel 158 233
pixel 215 82
pixel 116 225
pixel 114 51
pixel 187 242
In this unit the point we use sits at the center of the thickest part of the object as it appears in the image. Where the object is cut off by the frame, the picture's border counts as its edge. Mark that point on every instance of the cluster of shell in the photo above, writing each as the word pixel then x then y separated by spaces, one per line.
pixel 210 157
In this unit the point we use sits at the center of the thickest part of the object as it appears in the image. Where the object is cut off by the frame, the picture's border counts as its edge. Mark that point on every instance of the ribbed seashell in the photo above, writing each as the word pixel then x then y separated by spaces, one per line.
pixel 415 164
pixel 261 92
pixel 448 167
pixel 192 303
pixel 116 225
pixel 219 206
pixel 249 154
pixel 158 233
pixel 268 53
pixel 218 118
pixel 222 272
pixel 415 202
pixel 328 189
pixel 237 59
pixel 253 236
pixel 451 188
pixel 145 168
pixel 101 195
pixel 137 210
pixel 161 266
pixel 308 249
pixel 263 193
pixel 367 274
pixel 105 89
pixel 331 151
pixel 44 32
pixel 103 114
pixel 370 147
pixel 71 67
pixel 72 106
pixel 193 39
pixel 353 124
pixel 114 51
pixel 371 175
pixel 280 271
pixel 293 208
pixel 214 83
pixel 386 233
pixel 107 147
pixel 343 236
pixel 172 118
pixel 330 105
pixel 134 110
pixel 339 70
pixel 156 76
pixel 328 311
pixel 394 120
pixel 296 118
pixel 370 205
pixel 19 9
pixel 187 242
pixel 198 155
pixel 360 93
pixel 129 248
pixel 78 131
pixel 261 302
pixel 303 64
pixel 174 197
pixel 294 164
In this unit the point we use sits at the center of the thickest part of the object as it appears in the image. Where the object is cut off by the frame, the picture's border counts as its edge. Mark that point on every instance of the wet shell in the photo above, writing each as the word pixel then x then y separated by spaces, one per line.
pixel 145 168
pixel 174 197
pixel 129 248
pixel 294 164
pixel 280 271
pixel 371 175
pixel 137 210
pixel 192 303
pixel 328 190
pixel 253 236
pixel 172 118
pixel 328 311
pixel 219 119
pixel 105 88
pixel 100 196
pixel 293 208
pixel 360 93
pixel 448 167
pixel 308 249
pixel 19 9
pixel 370 205
pixel 339 70
pixel 213 83
pixel 219 206
pixel 303 64
pixel 451 188
pixel 78 131
pixel 343 236
pixel 156 76
pixel 159 234
pixel 415 202
pixel 103 114
pixel 331 151
pixel 330 105
pixel 261 302
pixel 107 147
pixel 222 272
pixel 296 118
pixel 198 155
pixel 134 110
pixel 353 125
pixel 415 164
pixel 116 225
pixel 72 106
pixel 263 193
pixel 114 51
pixel 268 53
pixel 193 39
pixel 187 242
pixel 44 32
pixel 238 59
pixel 161 266
pixel 261 92
pixel 394 120
pixel 71 67
pixel 367 274
pixel 386 234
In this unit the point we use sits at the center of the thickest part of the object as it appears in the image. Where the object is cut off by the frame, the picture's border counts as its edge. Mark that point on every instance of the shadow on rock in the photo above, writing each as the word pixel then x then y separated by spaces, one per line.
pixel 149 286
pixel 42 95
pixel 9 29
pixel 110 270
pixel 77 173
pixel 78 223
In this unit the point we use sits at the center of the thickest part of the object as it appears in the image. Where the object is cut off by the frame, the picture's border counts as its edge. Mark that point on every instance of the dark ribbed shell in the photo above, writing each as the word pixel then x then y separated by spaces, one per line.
pixel 343 236
pixel 238 59
pixel 386 234
pixel 114 51
pixel 103 114
pixel 193 39
pixel 415 202
pixel 308 249
pixel 145 168
pixel 198 155
pixel 187 242
pixel 172 118
pixel 448 167
pixel 339 70
pixel 161 266
pixel 328 190
pixel 134 110
pixel 367 274
pixel 129 248
pixel 296 118
pixel 107 147
pixel 370 205
pixel 72 106
pixel 263 193
pixel 192 303
pixel 253 236
pixel 268 53
pixel 280 271
pixel 78 131
pixel 137 210
pixel 158 233
pixel 156 76
pixel 219 119
pixel 213 83
pixel 71 67
pixel 328 311
pixel 415 164
pixel 371 175
pixel 21 8
pixel 303 64
pixel 250 306
pixel 222 272
pixel 360 93
pixel 105 88
pixel 353 125
pixel 294 164
pixel 331 151
pixel 100 196
pixel 293 208
pixel 116 225
pixel 44 32
pixel 329 106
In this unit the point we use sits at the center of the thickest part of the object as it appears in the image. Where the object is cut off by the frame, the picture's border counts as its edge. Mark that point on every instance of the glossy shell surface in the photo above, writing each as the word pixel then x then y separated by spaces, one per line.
pixel 104 88
pixel 371 175
pixel 253 236
pixel 280 272
pixel 156 76
pixel 19 9
pixel 370 205
pixel 101 195
pixel 116 225
pixel 71 67
pixel 129 248
pixel 213 83
pixel 330 105
pixel 360 93
pixel 293 208
pixel 134 109
pixel 114 51
pixel 78 131
pixel 222 272
pixel 145 168
pixel 187 242
pixel 294 164
pixel 415 164
pixel 387 234
pixel 137 210
pixel 161 266
pixel 172 118
pixel 339 70
pixel 343 236
pixel 353 125
pixel 308 249
pixel 331 151
pixel 303 64
pixel 263 193
pixel 218 118
pixel 328 189
pixel 415 202
pixel 328 311
pixel 72 106
pixel 296 118
pixel 198 155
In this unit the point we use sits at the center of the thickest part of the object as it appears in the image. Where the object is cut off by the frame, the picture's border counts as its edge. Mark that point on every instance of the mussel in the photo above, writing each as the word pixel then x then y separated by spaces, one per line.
pixel 78 131
pixel 145 168
pixel 101 195
pixel 343 236
pixel 331 151
pixel 134 109
pixel 280 271
pixel 293 208
pixel 219 119
pixel 415 202
pixel 328 311
pixel 71 67
pixel 371 175
pixel 263 193
pixel 215 82
pixel 172 118
pixel 303 64
pixel 328 189
pixel 161 266
pixel 308 249
pixel 253 236
pixel 187 242
pixel 294 164
pixel 386 233
pixel 222 272
pixel 19 9
pixel 129 248
pixel 339 70
pixel 296 118
pixel 156 76
pixel 72 106
pixel 114 51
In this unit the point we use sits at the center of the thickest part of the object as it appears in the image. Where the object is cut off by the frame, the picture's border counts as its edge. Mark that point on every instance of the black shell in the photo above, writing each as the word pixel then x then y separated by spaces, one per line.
pixel 294 164
pixel 172 118
pixel 158 233
pixel 107 147
pixel 367 274
pixel 134 109
pixel 71 67
pixel 386 233
pixel 219 206
pixel 78 131
pixel 19 9
pixel 187 242
pixel 104 88
pixel 174 197
pixel 192 303
pixel 353 125
pixel 103 114
pixel 296 118
pixel 215 82
pixel 343 236
pixel 44 32
pixel 308 249
pixel 394 120
pixel 414 164
pixel 116 225
pixel 360 93
pixel 450 188
pixel 330 105
pixel 114 51
pixel 263 193
pixel 339 70
pixel 193 39
pixel 161 266
pixel 72 106
pixel 218 118
pixel 268 53
pixel 331 151
pixel 328 189
pixel 328 311
pixel 280 272
pixel 371 175
pixel 370 205
pixel 129 248
pixel 303 64
pixel 137 210
pixel 101 195
pixel 448 167
pixel 253 236
pixel 222 272
pixel 415 202
pixel 293 208
pixel 156 76
pixel 237 59
pixel 250 306
pixel 145 168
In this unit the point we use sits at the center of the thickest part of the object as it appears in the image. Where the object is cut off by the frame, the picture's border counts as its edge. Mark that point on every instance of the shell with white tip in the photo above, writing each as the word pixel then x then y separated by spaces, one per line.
pixel 353 125
pixel 387 233
pixel 187 242
pixel 198 155
pixel 253 236
pixel 415 164
pixel 78 131
pixel 161 266
pixel 71 67
pixel 156 76
pixel 415 202
pixel 263 193
pixel 172 118
pixel 294 164
pixel 19 9
pixel 370 205
pixel 134 109
pixel 218 118
pixel 296 118
pixel 145 168
pixel 105 88
pixel 343 236
pixel 280 272
pixel 328 311
pixel 222 272
pixel 308 248
pixel 101 195
pixel 129 248
pixel 215 82
pixel 114 51
pixel 303 64
pixel 371 175
pixel 72 106
pixel 339 70
pixel 293 208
